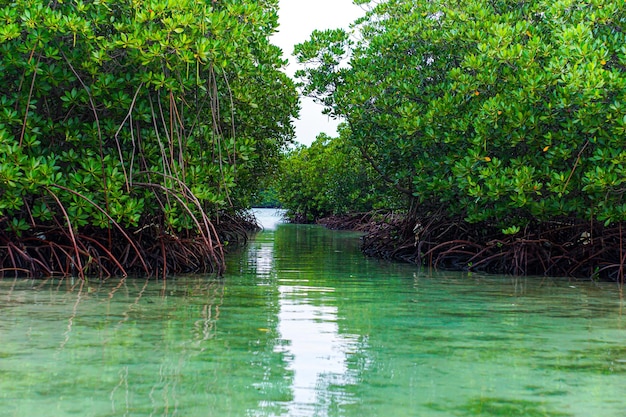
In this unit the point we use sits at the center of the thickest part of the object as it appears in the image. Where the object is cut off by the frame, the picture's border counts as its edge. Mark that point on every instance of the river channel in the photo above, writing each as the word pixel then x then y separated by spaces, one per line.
pixel 303 325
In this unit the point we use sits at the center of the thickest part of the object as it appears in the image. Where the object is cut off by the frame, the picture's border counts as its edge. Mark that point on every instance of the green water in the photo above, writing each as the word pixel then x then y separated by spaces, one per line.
pixel 303 325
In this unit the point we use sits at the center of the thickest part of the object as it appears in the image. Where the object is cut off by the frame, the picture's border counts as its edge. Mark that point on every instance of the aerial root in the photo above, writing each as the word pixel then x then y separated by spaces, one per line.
pixel 96 254
pixel 563 247
pixel 147 251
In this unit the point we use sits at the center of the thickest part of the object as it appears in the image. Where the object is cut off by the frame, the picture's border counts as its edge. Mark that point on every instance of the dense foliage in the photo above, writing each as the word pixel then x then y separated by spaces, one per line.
pixel 144 116
pixel 502 111
pixel 329 178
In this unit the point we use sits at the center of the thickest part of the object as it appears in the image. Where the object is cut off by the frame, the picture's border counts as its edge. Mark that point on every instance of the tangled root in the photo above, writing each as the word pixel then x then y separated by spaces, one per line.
pixel 563 247
pixel 53 251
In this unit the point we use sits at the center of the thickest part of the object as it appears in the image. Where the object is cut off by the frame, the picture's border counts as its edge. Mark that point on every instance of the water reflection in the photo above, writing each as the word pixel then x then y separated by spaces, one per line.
pixel 263 261
pixel 113 348
pixel 303 325
pixel 315 351
pixel 318 352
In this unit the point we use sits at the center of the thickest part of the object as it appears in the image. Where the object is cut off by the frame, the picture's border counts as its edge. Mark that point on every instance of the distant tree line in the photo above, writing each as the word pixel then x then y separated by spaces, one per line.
pixel 330 178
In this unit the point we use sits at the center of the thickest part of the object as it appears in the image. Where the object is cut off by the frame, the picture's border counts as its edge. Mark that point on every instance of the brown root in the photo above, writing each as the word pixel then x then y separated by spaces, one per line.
pixel 563 247
pixel 94 252
pixel 357 221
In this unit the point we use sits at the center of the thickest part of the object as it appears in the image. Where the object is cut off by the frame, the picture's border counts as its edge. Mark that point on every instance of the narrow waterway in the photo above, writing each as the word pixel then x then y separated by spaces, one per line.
pixel 303 325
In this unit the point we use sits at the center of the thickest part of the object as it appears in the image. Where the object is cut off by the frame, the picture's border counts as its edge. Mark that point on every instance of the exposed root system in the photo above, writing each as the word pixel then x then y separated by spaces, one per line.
pixel 563 247
pixel 45 252
pixel 566 247
pixel 355 221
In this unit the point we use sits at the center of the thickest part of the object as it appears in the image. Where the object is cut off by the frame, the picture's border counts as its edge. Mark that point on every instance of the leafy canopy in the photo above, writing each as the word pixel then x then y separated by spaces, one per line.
pixel 501 110
pixel 151 111
pixel 328 178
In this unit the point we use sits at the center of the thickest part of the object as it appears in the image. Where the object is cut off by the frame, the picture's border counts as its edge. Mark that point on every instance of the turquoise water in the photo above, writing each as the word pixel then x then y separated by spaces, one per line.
pixel 303 325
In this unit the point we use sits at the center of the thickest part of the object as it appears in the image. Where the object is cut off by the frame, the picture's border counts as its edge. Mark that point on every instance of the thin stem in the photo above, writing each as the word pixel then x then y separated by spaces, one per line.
pixel 70 229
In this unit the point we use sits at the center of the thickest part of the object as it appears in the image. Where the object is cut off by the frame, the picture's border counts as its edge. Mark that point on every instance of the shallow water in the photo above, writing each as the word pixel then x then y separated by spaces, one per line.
pixel 303 325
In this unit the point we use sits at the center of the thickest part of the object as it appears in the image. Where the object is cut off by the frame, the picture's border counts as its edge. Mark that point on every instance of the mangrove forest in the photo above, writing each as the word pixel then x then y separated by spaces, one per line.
pixel 134 134
pixel 496 130
pixel 480 135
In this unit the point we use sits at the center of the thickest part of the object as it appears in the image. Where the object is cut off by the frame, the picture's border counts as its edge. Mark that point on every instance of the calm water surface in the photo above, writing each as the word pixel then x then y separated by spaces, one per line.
pixel 303 325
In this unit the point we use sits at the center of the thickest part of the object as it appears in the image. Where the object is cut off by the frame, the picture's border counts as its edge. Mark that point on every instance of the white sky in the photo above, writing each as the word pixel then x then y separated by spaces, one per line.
pixel 297 19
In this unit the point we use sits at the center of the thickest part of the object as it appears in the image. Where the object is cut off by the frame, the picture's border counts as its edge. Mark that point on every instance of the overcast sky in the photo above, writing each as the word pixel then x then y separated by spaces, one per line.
pixel 298 18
